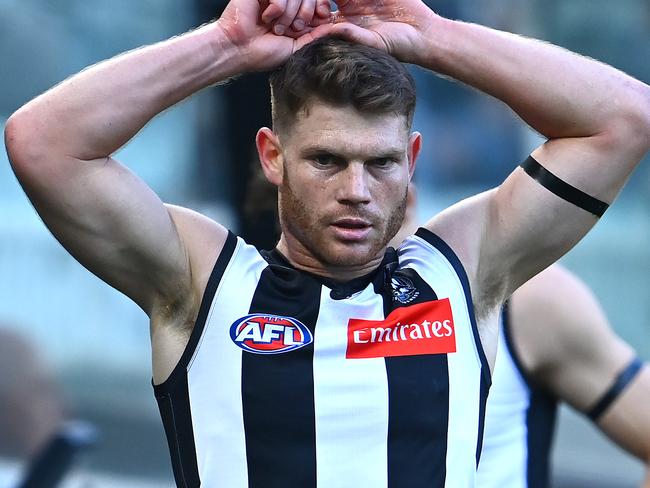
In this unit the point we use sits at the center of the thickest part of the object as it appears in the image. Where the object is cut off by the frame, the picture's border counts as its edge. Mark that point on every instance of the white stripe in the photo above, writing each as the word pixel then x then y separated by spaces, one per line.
pixel 351 399
pixel 464 397
pixel 464 365
pixel 506 431
pixel 464 403
pixel 215 377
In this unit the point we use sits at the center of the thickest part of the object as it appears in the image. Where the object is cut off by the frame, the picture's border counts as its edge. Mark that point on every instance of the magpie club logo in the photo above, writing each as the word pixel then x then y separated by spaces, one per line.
pixel 269 334
pixel 403 289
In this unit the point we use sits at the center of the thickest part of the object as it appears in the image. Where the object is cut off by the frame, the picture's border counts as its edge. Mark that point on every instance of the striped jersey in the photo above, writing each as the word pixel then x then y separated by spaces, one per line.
pixel 292 380
pixel 519 423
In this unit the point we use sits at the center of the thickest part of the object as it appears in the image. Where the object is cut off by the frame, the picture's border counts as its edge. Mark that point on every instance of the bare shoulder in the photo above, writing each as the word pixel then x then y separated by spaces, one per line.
pixel 561 332
pixel 463 227
pixel 553 315
pixel 556 302
pixel 202 238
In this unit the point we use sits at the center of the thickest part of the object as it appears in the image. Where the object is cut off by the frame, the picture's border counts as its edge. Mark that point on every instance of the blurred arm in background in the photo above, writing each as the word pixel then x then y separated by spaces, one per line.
pixel 568 350
pixel 30 401
pixel 557 346
pixel 564 350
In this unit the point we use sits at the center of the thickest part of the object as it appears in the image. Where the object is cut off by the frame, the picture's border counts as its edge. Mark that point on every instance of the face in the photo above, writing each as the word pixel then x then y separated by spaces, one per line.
pixel 343 179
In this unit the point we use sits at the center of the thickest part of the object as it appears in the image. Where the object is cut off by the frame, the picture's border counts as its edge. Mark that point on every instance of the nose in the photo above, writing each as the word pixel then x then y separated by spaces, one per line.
pixel 354 185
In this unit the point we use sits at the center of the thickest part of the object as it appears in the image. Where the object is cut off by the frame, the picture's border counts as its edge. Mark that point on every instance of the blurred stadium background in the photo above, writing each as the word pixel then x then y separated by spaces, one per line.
pixel 97 341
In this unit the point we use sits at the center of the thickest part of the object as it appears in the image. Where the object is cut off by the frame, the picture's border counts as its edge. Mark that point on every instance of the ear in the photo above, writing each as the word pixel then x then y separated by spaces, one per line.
pixel 415 145
pixel 270 153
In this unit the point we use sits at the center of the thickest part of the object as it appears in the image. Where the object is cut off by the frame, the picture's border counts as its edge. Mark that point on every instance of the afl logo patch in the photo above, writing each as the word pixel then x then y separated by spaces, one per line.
pixel 269 334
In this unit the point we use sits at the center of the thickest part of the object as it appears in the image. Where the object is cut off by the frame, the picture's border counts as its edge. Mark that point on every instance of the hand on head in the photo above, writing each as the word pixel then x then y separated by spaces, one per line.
pixel 267 32
pixel 264 31
pixel 398 27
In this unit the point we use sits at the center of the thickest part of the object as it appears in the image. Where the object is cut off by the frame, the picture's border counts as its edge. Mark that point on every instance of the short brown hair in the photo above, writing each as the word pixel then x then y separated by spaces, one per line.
pixel 341 73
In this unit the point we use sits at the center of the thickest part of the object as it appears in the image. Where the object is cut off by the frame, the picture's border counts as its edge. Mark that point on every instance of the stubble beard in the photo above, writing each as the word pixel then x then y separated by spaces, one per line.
pixel 296 220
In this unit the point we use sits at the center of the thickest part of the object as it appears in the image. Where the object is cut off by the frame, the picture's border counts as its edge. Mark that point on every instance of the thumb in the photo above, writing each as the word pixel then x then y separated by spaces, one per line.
pixel 354 33
pixel 315 33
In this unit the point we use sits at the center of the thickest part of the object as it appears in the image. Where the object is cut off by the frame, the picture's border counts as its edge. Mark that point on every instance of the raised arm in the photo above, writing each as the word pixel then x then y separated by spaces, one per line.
pixel 567 347
pixel 596 119
pixel 60 146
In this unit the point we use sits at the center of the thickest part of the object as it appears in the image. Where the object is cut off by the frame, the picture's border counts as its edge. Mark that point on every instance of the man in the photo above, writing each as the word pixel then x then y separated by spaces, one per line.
pixel 556 345
pixel 332 360
pixel 31 402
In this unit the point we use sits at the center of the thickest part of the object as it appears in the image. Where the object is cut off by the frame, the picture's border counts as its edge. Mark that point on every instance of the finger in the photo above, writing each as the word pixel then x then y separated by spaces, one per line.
pixel 330 18
pixel 316 33
pixel 304 15
pixel 263 5
pixel 354 33
pixel 323 8
pixel 288 16
pixel 275 10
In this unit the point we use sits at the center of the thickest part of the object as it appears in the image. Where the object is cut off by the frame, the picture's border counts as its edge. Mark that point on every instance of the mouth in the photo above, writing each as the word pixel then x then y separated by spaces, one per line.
pixel 351 229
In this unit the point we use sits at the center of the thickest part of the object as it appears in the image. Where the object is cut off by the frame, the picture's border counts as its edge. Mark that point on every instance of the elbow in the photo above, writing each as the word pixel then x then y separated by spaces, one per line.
pixel 17 139
pixel 646 119
pixel 22 143
pixel 642 121
pixel 632 128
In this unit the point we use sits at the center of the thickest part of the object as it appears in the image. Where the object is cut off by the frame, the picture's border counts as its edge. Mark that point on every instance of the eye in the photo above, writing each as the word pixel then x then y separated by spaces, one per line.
pixel 383 162
pixel 325 160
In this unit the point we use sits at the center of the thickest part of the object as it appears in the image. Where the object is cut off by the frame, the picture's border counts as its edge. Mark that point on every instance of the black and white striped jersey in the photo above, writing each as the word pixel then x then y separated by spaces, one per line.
pixel 292 380
pixel 519 423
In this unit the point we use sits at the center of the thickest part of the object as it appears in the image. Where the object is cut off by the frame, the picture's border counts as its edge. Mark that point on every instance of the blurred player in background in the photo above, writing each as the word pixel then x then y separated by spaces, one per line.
pixel 30 399
pixel 555 345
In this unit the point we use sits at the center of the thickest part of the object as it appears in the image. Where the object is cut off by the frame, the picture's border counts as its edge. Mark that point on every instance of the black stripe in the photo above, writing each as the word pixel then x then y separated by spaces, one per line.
pixel 485 388
pixel 174 407
pixel 418 408
pixel 540 423
pixel 278 389
pixel 622 380
pixel 418 415
pixel 563 189
pixel 510 345
pixel 180 370
pixel 172 395
pixel 540 417
pixel 486 376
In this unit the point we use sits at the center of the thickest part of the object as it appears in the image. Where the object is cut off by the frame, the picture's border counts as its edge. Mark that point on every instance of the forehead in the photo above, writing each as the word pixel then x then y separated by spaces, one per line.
pixel 345 128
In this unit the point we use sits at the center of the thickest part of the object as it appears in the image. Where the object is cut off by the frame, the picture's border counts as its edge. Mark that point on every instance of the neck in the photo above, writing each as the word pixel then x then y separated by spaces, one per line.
pixel 302 259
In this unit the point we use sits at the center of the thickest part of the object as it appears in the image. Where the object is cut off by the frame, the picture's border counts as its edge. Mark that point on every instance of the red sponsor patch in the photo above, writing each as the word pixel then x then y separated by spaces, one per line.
pixel 424 328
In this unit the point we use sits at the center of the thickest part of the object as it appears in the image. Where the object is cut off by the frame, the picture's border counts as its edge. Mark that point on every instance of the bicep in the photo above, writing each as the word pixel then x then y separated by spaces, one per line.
pixel 528 228
pixel 112 223
pixel 531 226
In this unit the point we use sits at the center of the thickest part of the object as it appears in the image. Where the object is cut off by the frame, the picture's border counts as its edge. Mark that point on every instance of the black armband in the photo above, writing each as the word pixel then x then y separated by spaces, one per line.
pixel 562 189
pixel 622 380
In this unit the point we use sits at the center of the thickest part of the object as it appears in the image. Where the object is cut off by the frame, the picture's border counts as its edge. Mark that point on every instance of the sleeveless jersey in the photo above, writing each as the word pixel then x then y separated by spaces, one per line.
pixel 519 424
pixel 292 380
